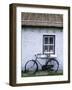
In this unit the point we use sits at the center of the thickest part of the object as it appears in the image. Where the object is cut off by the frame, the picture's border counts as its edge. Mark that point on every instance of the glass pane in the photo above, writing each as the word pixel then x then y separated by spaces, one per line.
pixel 46 40
pixel 45 48
pixel 51 49
pixel 51 40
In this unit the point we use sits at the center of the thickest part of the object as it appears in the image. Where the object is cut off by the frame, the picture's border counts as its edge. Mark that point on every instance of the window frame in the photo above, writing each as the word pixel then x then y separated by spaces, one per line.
pixel 44 43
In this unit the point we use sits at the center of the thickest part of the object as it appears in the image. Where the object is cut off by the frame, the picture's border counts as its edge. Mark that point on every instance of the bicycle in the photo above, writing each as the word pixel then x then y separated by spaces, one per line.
pixel 32 66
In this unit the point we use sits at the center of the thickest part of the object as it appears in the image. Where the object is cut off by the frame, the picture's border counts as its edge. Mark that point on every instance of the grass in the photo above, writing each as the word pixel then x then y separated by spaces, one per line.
pixel 42 73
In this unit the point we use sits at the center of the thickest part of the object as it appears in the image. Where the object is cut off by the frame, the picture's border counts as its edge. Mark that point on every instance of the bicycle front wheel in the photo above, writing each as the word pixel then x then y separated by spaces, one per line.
pixel 31 67
pixel 53 64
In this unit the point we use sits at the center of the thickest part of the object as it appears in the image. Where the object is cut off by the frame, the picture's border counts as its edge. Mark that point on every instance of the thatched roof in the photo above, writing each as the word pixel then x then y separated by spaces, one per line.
pixel 37 19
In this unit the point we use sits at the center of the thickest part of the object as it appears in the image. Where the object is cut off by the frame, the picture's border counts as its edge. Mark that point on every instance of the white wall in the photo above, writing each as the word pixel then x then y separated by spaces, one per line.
pixel 32 43
pixel 4 45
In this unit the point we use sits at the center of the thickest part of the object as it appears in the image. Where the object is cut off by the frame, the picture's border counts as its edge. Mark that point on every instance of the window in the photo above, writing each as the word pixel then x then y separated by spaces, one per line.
pixel 48 43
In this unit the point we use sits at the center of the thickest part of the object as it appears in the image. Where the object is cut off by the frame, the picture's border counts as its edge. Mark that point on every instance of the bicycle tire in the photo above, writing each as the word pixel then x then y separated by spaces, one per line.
pixel 57 63
pixel 34 67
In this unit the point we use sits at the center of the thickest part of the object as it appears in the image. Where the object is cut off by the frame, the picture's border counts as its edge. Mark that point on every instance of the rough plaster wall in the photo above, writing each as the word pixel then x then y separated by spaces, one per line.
pixel 32 43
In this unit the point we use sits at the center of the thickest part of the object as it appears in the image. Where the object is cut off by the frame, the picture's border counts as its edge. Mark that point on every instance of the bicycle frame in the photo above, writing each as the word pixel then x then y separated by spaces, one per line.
pixel 36 59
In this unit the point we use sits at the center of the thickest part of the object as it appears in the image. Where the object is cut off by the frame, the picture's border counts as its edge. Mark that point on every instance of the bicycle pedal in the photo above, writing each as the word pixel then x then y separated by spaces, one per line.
pixel 44 67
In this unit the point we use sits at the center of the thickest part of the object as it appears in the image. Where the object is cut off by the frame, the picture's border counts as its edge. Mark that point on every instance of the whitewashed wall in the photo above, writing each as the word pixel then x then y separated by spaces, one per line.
pixel 32 43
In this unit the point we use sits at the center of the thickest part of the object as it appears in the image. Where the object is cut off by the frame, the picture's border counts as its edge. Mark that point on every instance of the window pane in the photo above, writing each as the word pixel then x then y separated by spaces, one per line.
pixel 51 40
pixel 51 49
pixel 46 40
pixel 45 48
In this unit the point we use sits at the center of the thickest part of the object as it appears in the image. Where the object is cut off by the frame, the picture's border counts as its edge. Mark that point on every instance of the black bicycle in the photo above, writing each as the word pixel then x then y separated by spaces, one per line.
pixel 32 66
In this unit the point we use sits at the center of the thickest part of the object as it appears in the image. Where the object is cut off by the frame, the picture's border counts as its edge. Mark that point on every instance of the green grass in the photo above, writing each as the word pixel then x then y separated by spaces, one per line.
pixel 42 73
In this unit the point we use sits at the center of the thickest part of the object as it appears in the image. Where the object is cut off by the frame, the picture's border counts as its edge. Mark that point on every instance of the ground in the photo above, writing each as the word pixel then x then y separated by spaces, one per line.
pixel 42 73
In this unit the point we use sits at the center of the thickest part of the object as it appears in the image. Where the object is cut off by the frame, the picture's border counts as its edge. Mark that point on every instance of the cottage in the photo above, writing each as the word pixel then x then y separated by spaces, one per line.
pixel 42 33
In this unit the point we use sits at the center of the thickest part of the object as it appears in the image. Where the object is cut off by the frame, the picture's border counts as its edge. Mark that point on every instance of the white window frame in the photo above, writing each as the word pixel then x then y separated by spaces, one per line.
pixel 48 44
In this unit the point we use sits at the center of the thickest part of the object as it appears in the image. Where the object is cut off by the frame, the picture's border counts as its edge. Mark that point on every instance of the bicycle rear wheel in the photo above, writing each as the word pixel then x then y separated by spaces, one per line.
pixel 53 64
pixel 31 67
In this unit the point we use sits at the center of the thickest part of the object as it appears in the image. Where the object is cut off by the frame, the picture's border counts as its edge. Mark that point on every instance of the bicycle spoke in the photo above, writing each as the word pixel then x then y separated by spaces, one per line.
pixel 54 65
pixel 31 67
